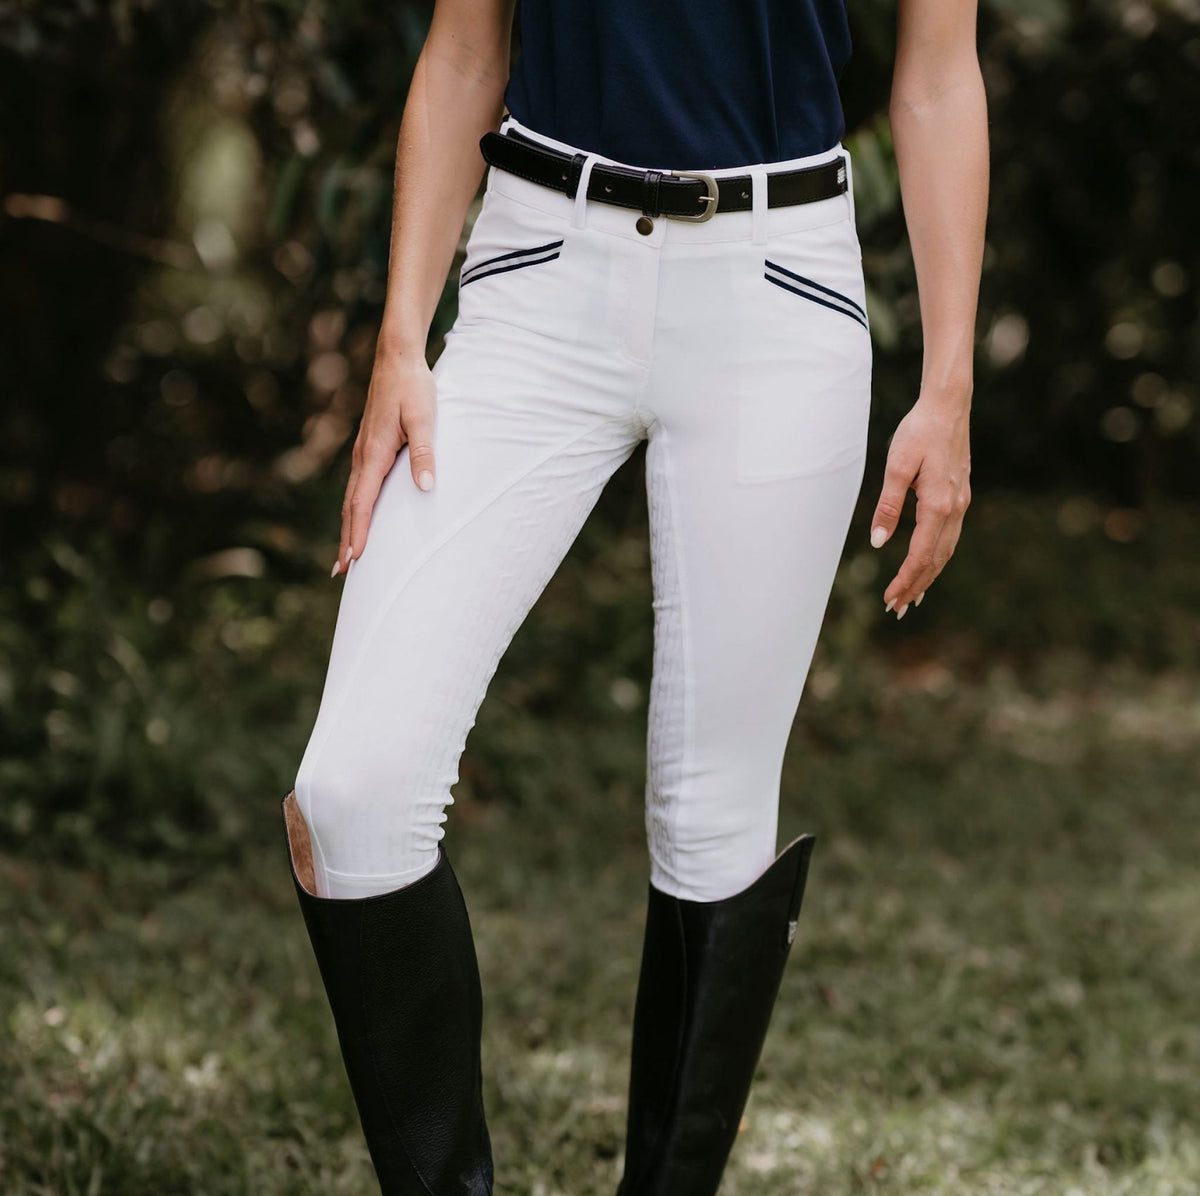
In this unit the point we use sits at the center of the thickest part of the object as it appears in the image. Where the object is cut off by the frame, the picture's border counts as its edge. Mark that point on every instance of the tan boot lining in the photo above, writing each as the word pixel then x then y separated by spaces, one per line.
pixel 300 844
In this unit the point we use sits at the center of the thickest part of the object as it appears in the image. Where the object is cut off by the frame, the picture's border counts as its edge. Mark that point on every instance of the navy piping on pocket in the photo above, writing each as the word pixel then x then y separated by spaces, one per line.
pixel 517 260
pixel 799 285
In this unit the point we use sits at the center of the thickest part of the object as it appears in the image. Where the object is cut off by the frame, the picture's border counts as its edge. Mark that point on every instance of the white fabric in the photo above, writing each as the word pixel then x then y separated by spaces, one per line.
pixel 754 403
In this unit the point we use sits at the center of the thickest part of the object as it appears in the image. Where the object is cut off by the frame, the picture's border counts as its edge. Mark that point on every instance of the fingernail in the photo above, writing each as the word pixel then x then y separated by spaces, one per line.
pixel 889 606
pixel 900 612
pixel 878 536
pixel 425 480
pixel 337 565
pixel 917 599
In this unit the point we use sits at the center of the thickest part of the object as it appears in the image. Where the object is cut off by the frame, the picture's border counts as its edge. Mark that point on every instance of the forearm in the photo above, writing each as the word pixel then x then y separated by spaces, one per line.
pixel 939 129
pixel 455 97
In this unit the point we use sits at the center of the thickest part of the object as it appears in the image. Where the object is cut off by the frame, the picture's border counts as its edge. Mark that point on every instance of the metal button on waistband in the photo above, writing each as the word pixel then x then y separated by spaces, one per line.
pixel 645 225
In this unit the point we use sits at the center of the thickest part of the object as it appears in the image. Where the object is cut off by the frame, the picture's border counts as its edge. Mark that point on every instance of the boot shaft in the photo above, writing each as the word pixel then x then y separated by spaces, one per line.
pixel 709 979
pixel 402 979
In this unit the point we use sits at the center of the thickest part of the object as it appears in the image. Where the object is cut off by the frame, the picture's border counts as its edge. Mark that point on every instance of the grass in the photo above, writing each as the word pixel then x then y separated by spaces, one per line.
pixel 993 991
pixel 993 988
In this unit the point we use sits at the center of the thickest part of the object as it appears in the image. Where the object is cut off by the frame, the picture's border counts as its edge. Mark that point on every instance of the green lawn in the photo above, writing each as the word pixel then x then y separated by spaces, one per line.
pixel 994 988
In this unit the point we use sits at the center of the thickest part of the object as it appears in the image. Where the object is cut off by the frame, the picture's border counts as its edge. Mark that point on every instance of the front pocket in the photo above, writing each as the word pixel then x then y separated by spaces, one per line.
pixel 802 393
pixel 815 291
pixel 516 259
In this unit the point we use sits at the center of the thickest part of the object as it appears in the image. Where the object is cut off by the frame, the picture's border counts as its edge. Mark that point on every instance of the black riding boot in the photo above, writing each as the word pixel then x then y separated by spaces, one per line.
pixel 710 974
pixel 403 983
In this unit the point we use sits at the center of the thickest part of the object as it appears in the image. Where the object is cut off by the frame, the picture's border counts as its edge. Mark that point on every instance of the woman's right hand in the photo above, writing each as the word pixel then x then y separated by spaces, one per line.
pixel 401 409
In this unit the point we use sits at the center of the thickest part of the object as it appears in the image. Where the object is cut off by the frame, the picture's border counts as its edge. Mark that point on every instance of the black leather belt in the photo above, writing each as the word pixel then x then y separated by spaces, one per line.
pixel 682 194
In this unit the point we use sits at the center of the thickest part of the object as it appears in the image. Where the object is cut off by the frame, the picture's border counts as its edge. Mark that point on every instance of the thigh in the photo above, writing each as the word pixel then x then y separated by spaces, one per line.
pixel 762 413
pixel 447 576
pixel 742 577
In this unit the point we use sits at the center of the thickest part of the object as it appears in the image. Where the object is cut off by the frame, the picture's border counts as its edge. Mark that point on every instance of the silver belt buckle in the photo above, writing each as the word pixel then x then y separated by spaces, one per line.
pixel 709 201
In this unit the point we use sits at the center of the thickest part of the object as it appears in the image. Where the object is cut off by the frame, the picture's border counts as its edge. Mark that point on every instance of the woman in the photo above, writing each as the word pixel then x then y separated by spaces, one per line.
pixel 666 252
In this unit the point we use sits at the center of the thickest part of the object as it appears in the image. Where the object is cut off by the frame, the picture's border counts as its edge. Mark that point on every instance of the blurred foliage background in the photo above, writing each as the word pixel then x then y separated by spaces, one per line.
pixel 196 202
pixel 194 220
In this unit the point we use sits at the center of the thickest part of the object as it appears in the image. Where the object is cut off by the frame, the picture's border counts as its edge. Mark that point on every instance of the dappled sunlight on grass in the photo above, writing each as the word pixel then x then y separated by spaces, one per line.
pixel 992 991
pixel 944 1147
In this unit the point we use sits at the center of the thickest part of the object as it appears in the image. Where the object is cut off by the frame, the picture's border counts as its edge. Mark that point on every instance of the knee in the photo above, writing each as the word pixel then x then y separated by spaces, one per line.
pixel 334 795
pixel 370 817
pixel 714 857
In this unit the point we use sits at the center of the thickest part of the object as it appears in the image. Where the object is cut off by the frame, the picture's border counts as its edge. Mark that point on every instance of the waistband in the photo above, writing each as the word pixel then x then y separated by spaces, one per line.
pixel 754 225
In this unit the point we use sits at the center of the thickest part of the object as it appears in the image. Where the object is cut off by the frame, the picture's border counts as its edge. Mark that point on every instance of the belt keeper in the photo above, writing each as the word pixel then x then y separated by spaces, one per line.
pixel 577 162
pixel 650 183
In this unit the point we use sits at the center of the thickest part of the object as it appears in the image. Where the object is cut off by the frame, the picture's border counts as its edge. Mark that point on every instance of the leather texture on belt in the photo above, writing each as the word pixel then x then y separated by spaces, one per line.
pixel 656 193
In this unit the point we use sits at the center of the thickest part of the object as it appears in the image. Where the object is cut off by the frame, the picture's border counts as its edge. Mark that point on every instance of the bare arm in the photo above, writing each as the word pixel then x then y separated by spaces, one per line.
pixel 456 95
pixel 938 114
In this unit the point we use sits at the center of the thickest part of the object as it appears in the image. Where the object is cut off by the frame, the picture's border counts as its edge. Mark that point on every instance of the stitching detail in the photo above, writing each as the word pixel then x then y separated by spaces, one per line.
pixel 815 299
pixel 812 283
pixel 501 257
pixel 505 269
pixel 667 529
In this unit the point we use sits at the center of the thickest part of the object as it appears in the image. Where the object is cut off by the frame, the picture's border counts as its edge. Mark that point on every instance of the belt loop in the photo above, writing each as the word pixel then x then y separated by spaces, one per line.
pixel 758 192
pixel 579 213
pixel 849 187
pixel 506 122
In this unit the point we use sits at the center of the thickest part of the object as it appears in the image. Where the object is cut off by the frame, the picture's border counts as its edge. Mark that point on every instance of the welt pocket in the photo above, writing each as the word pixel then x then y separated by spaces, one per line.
pixel 516 259
pixel 817 292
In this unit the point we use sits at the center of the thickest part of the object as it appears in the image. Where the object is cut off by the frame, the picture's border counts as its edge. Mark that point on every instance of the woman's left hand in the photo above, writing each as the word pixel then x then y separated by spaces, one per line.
pixel 930 453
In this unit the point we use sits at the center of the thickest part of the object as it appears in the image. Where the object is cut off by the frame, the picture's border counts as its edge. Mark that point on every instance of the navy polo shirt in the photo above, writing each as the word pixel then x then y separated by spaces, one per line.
pixel 682 84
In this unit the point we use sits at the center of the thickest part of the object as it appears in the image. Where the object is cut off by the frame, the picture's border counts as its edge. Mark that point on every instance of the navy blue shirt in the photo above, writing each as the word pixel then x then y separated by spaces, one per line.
pixel 683 84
